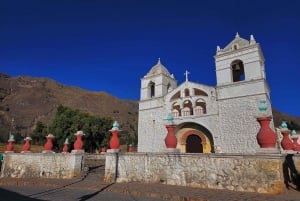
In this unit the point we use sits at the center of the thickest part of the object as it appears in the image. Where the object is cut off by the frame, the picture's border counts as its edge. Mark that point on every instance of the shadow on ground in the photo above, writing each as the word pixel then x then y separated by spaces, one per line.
pixel 290 173
pixel 13 196
pixel 86 197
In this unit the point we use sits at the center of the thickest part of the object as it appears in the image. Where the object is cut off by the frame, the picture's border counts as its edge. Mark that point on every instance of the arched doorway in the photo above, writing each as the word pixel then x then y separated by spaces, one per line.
pixel 191 140
pixel 194 144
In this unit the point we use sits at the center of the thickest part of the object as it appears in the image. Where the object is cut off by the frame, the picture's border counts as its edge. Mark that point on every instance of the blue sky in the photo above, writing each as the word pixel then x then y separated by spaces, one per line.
pixel 109 45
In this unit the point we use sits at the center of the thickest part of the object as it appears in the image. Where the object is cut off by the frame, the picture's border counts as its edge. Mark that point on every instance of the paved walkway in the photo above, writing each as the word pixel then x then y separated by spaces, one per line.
pixel 92 189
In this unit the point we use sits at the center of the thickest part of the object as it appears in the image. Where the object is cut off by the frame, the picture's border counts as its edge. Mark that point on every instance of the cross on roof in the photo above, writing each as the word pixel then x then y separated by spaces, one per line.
pixel 186 75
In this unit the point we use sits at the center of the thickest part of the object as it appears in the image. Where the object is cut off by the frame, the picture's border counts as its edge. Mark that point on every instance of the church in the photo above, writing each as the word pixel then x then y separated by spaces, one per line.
pixel 208 119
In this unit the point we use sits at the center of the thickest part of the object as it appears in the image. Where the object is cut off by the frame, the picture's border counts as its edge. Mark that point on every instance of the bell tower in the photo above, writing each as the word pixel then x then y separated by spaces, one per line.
pixel 155 85
pixel 241 86
pixel 157 82
pixel 241 63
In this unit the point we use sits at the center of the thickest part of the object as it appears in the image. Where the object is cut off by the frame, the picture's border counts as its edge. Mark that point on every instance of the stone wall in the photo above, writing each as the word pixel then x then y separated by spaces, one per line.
pixel 251 173
pixel 41 165
pixel 237 124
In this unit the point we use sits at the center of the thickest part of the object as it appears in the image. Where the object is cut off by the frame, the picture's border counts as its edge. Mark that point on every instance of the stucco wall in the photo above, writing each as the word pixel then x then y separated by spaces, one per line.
pixel 40 165
pixel 251 173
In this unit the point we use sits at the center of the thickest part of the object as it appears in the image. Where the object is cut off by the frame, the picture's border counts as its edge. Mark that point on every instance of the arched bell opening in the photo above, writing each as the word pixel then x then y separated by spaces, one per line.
pixel 238 72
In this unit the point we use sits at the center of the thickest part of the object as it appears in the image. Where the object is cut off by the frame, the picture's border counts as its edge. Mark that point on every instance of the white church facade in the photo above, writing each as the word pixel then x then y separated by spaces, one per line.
pixel 208 119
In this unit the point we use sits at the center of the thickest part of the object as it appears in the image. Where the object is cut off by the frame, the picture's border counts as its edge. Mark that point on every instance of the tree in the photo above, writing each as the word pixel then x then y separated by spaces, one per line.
pixel 67 122
pixel 39 133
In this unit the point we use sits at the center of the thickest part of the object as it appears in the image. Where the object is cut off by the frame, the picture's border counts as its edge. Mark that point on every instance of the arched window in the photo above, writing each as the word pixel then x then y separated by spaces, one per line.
pixel 199 92
pixel 176 109
pixel 198 110
pixel 152 89
pixel 237 69
pixel 200 107
pixel 175 113
pixel 186 92
pixel 187 108
pixel 186 111
pixel 169 88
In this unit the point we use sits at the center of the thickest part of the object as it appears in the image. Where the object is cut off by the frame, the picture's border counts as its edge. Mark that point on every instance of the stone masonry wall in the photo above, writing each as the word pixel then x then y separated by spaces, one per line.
pixel 40 165
pixel 251 173
pixel 238 126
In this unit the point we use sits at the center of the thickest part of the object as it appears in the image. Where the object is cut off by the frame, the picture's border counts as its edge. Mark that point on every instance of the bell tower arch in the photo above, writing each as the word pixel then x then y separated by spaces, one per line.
pixel 239 58
pixel 155 85
pixel 241 85
pixel 157 82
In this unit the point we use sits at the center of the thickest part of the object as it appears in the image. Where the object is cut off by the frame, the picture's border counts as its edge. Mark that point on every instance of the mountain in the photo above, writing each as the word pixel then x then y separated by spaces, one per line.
pixel 28 100
pixel 292 121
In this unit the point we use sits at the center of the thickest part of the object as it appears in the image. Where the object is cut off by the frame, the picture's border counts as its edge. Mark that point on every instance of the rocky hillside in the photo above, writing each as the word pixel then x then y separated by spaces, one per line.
pixel 29 99
pixel 293 122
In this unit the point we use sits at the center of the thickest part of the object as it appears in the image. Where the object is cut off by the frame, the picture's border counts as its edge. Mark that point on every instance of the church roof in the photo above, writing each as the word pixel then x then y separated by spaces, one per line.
pixel 237 43
pixel 159 68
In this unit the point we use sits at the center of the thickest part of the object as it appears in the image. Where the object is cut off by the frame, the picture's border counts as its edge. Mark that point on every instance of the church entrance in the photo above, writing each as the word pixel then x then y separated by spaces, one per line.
pixel 194 144
pixel 191 140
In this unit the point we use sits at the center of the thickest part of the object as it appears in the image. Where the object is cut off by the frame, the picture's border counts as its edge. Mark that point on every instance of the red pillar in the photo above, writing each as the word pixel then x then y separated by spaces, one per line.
pixel 10 146
pixel 130 148
pixel 266 137
pixel 49 144
pixel 66 146
pixel 27 146
pixel 295 137
pixel 171 140
pixel 78 144
pixel 286 142
pixel 296 145
pixel 114 142
pixel 103 149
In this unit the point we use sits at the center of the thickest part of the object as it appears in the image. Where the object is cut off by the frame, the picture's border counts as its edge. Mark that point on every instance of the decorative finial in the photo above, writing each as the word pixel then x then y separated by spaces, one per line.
pixel 294 132
pixel 79 133
pixel 218 48
pixel 11 137
pixel 262 106
pixel 186 75
pixel 158 62
pixel 252 40
pixel 115 126
pixel 50 135
pixel 66 141
pixel 27 138
pixel 284 126
pixel 170 118
pixel 237 35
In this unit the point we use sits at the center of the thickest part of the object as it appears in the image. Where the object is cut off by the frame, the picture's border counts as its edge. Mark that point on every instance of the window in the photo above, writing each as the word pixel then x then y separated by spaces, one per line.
pixel 200 107
pixel 199 92
pixel 199 110
pixel 152 89
pixel 176 109
pixel 186 92
pixel 187 108
pixel 169 88
pixel 237 69
pixel 186 111
pixel 175 113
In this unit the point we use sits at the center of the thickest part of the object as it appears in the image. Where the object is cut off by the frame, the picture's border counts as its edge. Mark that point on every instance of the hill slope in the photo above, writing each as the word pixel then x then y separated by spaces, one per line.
pixel 28 100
